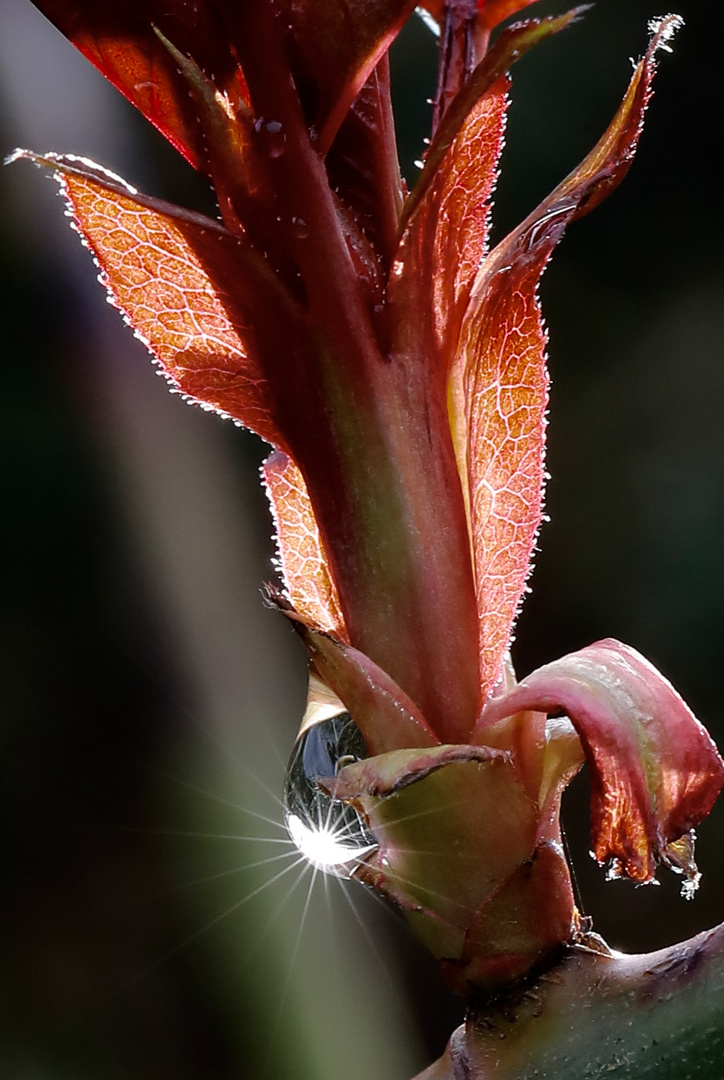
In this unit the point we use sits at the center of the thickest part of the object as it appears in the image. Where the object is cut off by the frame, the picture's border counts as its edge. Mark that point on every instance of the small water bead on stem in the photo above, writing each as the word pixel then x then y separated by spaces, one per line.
pixel 330 833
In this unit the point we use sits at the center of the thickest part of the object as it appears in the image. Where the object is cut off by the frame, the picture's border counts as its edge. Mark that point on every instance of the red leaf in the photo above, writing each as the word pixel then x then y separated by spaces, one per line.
pixel 512 44
pixel 499 383
pixel 184 284
pixel 362 163
pixel 118 39
pixel 441 249
pixel 655 772
pixel 445 239
pixel 340 44
pixel 334 48
pixel 305 568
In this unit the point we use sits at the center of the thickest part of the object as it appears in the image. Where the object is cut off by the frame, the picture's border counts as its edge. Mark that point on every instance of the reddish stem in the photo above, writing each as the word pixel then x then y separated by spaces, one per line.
pixel 376 454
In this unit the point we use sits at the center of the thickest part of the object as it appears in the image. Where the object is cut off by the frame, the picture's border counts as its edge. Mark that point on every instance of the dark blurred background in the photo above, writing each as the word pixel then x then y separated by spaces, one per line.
pixel 150 701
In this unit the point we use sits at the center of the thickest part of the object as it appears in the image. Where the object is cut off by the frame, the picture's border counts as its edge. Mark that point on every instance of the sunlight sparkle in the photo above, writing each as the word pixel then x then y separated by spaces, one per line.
pixel 320 844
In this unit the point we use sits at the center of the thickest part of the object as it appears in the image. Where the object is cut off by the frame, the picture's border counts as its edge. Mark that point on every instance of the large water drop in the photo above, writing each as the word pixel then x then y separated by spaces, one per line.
pixel 328 832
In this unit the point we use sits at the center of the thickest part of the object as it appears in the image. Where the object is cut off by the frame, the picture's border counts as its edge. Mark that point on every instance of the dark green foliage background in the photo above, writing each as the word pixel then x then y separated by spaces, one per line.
pixel 91 681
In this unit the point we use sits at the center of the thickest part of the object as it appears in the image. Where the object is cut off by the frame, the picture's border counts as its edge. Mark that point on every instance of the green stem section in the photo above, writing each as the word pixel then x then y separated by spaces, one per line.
pixel 658 1016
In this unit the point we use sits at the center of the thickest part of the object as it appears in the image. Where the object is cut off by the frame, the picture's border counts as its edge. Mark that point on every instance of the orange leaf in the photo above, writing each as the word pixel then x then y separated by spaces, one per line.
pixel 447 214
pixel 445 240
pixel 181 281
pixel 304 565
pixel 498 394
pixel 459 201
pixel 499 384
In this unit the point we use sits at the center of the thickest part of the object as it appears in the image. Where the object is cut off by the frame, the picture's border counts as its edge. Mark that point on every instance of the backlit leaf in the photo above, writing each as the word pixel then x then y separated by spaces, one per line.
pixel 498 387
pixel 512 44
pixel 493 12
pixel 304 564
pixel 184 284
pixel 441 250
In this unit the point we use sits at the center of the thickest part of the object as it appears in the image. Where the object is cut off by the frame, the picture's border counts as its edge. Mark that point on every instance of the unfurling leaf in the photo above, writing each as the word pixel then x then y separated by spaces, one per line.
pixel 655 772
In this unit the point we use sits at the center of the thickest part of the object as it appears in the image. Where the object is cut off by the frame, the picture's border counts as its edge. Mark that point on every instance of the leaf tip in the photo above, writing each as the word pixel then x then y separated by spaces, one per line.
pixel 17 155
pixel 662 30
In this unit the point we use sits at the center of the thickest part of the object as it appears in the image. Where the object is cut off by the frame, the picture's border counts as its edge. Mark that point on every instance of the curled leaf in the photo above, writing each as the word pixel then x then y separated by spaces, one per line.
pixel 655 772
pixel 388 773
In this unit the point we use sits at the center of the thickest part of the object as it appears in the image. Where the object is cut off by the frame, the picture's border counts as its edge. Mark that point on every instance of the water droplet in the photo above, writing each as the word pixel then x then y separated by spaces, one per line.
pixel 271 136
pixel 330 833
pixel 301 229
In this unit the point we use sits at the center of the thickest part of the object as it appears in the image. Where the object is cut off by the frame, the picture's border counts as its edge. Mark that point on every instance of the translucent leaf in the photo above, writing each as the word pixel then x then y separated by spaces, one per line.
pixel 445 240
pixel 493 12
pixel 304 564
pixel 498 388
pixel 512 44
pixel 184 284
